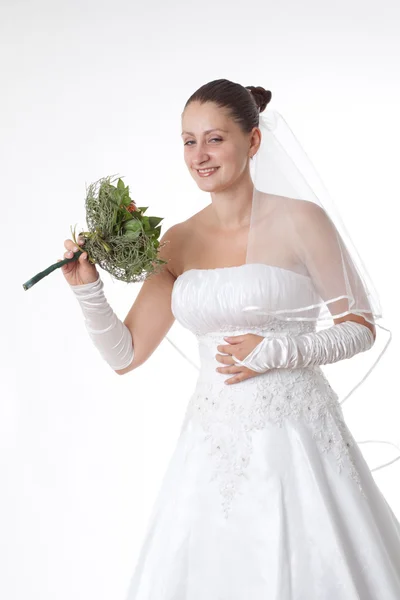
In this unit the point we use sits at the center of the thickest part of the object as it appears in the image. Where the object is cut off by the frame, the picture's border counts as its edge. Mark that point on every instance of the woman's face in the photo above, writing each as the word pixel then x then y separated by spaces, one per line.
pixel 211 139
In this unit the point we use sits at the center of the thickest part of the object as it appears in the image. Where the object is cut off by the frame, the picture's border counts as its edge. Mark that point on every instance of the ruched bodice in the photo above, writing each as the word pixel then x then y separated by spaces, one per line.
pixel 210 303
pixel 211 300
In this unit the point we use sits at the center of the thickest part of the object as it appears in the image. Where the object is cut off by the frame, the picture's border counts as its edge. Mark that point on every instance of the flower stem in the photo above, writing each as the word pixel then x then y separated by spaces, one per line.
pixel 31 282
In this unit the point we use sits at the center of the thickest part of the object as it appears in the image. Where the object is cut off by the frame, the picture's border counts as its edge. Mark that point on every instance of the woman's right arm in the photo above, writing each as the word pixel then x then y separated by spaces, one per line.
pixel 129 343
pixel 150 317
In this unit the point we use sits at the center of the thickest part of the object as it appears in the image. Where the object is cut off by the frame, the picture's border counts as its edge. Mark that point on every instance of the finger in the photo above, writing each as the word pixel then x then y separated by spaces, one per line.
pixel 223 348
pixel 70 245
pixel 235 379
pixel 228 348
pixel 226 359
pixel 229 369
pixel 235 339
pixel 68 254
pixel 242 376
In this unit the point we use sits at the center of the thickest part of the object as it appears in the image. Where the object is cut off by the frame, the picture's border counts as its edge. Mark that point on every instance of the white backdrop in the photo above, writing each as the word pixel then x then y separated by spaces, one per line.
pixel 96 88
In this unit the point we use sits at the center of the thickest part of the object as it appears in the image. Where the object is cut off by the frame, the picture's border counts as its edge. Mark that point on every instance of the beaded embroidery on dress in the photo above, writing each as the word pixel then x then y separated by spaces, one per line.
pixel 267 495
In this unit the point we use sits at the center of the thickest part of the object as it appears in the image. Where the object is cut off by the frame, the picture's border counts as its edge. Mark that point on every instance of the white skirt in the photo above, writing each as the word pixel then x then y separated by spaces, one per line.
pixel 268 513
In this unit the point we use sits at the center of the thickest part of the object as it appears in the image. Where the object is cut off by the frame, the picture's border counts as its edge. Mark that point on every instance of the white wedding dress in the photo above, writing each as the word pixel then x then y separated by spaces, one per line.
pixel 267 495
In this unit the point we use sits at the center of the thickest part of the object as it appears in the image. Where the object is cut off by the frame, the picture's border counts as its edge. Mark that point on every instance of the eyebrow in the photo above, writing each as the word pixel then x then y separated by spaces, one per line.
pixel 208 131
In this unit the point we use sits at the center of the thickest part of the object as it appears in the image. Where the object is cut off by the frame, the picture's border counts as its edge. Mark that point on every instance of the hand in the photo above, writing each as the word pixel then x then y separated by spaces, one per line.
pixel 80 271
pixel 240 346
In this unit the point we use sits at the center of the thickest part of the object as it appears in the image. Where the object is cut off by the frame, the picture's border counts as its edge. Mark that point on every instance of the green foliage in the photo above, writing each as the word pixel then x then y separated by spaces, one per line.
pixel 120 239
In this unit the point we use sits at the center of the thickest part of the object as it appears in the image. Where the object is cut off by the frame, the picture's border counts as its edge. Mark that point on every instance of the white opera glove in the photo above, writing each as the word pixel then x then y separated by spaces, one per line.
pixel 330 345
pixel 111 337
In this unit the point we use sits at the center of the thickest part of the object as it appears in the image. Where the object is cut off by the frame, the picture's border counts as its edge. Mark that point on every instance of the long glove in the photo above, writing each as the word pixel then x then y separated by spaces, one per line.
pixel 111 337
pixel 340 341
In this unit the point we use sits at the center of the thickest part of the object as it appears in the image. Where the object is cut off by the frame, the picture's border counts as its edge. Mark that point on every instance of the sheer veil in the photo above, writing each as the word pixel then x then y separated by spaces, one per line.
pixel 295 225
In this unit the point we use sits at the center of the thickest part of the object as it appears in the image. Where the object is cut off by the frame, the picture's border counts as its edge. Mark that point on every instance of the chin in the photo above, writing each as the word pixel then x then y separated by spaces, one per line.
pixel 209 187
pixel 205 185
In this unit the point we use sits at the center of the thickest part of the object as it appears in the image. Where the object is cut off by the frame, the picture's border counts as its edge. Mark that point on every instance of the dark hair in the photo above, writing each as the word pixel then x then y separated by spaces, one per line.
pixel 243 107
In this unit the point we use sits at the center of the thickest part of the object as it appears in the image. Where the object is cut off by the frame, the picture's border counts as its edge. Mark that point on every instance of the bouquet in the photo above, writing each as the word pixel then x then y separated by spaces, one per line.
pixel 120 238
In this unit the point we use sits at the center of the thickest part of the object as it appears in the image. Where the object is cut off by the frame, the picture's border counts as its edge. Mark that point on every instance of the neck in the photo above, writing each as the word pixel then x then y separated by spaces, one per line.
pixel 231 209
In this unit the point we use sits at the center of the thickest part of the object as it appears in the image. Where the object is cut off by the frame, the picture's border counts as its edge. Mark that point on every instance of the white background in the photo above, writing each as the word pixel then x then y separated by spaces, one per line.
pixel 97 88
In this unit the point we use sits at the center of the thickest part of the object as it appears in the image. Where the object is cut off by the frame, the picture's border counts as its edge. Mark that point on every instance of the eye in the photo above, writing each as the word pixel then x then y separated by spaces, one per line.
pixel 191 141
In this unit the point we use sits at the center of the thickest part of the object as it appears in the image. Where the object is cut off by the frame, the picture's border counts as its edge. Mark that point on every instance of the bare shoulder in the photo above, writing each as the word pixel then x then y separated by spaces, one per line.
pixel 310 212
pixel 169 247
pixel 307 215
pixel 202 217
pixel 174 241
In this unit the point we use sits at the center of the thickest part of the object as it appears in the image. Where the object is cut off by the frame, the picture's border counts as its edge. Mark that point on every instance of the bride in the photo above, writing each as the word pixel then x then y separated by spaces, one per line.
pixel 267 495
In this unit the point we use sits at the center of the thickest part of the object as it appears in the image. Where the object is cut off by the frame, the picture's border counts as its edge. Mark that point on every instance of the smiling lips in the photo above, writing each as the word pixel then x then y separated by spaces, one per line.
pixel 207 172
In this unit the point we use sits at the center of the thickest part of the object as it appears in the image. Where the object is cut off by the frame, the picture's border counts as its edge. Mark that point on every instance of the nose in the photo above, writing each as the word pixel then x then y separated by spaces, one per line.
pixel 200 155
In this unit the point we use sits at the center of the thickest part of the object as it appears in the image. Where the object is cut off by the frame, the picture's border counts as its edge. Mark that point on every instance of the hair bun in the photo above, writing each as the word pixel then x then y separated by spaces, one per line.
pixel 261 96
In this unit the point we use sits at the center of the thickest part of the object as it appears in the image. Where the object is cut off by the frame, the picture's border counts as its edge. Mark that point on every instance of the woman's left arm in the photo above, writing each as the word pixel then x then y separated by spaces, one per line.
pixel 342 340
pixel 330 266
pixel 324 257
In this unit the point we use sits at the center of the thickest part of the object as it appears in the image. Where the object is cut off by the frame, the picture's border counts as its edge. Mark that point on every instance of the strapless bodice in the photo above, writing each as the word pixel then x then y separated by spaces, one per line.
pixel 210 300
pixel 210 303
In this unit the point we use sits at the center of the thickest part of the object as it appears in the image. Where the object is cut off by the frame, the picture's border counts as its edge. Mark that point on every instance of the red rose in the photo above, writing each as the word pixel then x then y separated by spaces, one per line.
pixel 132 207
